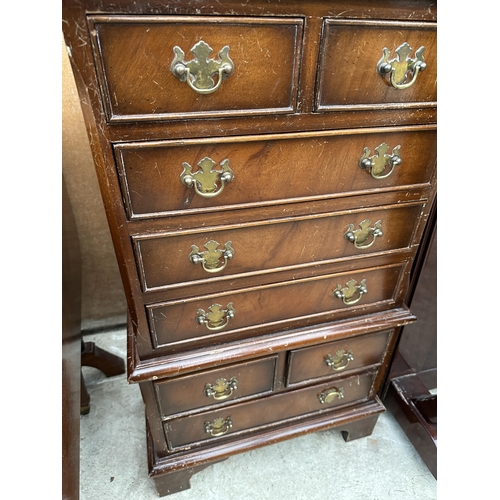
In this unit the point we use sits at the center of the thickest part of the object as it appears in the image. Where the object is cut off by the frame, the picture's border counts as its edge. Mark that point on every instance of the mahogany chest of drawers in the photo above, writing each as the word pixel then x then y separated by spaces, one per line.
pixel 267 170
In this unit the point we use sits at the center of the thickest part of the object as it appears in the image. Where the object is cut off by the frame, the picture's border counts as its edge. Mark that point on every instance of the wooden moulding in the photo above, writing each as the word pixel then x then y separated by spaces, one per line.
pixel 172 474
pixel 187 362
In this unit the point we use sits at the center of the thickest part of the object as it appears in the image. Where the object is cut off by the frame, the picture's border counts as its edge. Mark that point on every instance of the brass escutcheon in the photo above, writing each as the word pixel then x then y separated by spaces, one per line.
pixel 381 164
pixel 210 259
pixel 216 318
pixel 340 360
pixel 222 389
pixel 207 181
pixel 330 395
pixel 219 426
pixel 359 237
pixel 401 66
pixel 199 72
pixel 347 294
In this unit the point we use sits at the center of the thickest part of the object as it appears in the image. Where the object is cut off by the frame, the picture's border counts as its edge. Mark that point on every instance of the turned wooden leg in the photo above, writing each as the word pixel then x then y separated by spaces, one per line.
pixel 360 428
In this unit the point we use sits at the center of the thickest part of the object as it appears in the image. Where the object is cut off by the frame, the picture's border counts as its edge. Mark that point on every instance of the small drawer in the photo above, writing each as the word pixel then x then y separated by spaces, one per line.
pixel 203 321
pixel 185 258
pixel 230 66
pixel 351 51
pixel 335 358
pixel 269 170
pixel 215 387
pixel 240 418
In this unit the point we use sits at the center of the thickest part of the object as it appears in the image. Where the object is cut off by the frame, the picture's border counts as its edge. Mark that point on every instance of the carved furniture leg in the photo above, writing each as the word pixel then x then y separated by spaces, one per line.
pixel 108 363
pixel 360 428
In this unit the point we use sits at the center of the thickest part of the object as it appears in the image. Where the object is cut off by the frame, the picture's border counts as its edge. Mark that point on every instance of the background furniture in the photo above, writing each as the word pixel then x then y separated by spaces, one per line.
pixel 71 351
pixel 412 383
pixel 267 172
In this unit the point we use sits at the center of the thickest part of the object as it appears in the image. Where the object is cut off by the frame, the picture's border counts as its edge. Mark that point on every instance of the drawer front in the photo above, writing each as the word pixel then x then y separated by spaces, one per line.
pixel 350 55
pixel 287 168
pixel 134 56
pixel 335 358
pixel 222 254
pixel 216 387
pixel 237 419
pixel 203 321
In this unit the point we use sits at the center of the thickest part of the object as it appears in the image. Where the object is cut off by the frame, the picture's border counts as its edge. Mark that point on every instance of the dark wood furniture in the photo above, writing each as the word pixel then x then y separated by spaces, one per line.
pixel 71 353
pixel 108 363
pixel 411 390
pixel 267 170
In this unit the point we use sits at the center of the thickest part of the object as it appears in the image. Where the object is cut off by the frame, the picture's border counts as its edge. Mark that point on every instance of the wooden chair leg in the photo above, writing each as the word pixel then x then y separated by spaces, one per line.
pixel 108 363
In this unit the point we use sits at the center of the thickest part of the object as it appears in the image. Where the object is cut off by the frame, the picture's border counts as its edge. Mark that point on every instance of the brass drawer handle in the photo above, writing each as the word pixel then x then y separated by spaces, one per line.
pixel 219 426
pixel 401 66
pixel 331 394
pixel 359 237
pixel 206 180
pixel 222 389
pixel 340 360
pixel 347 294
pixel 378 164
pixel 210 259
pixel 198 72
pixel 217 318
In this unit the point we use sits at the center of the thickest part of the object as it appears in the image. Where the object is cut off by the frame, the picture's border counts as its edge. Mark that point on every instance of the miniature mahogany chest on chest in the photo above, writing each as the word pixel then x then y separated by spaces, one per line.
pixel 267 170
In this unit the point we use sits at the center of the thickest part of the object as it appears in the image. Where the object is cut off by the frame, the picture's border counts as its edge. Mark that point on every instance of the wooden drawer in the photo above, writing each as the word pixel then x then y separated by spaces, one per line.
pixel 269 170
pixel 334 358
pixel 167 260
pixel 215 387
pixel 243 313
pixel 134 55
pixel 273 410
pixel 350 53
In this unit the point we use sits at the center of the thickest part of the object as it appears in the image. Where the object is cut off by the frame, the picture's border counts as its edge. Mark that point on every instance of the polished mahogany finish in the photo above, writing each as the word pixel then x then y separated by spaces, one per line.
pixel 257 247
pixel 349 57
pixel 188 393
pixel 310 363
pixel 267 69
pixel 266 190
pixel 304 167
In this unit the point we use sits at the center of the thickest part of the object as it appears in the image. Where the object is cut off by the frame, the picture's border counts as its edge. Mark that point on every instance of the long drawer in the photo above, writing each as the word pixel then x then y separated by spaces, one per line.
pixel 222 253
pixel 268 170
pixel 273 410
pixel 142 63
pixel 202 321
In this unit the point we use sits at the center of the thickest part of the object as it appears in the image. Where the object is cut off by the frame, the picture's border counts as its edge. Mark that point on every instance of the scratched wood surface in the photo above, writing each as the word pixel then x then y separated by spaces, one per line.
pixel 135 55
pixel 250 415
pixel 164 260
pixel 268 170
pixel 350 53
pixel 293 121
pixel 293 303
